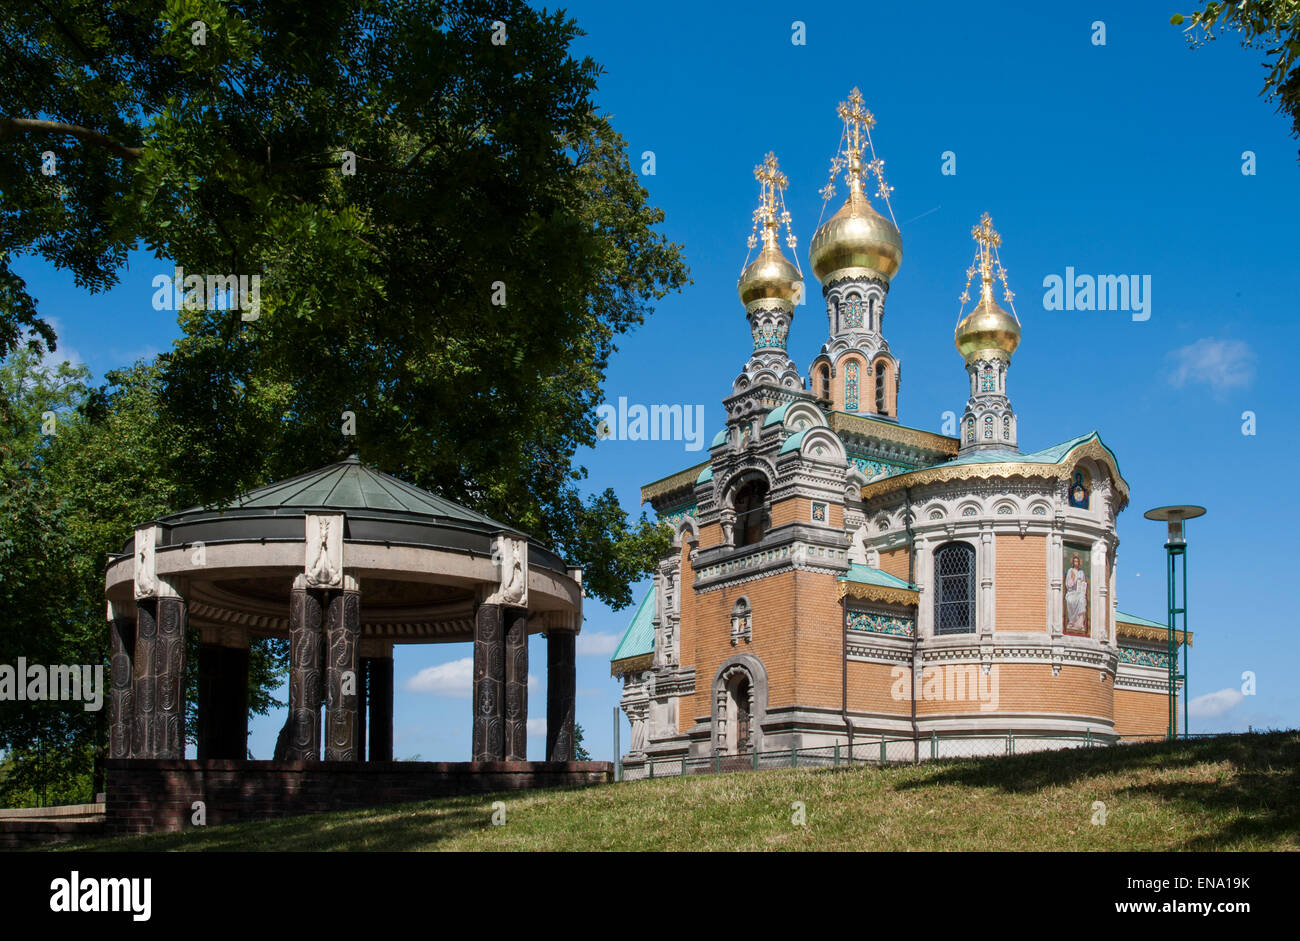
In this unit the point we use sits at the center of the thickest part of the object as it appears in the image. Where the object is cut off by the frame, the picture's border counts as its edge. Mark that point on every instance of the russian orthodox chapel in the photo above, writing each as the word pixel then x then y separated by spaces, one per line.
pixel 838 576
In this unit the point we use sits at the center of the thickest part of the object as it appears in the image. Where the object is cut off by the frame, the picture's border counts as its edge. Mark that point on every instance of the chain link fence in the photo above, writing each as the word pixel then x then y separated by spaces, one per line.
pixel 876 750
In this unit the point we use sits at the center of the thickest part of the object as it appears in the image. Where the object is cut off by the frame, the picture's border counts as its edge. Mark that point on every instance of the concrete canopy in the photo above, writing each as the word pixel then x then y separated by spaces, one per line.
pixel 423 562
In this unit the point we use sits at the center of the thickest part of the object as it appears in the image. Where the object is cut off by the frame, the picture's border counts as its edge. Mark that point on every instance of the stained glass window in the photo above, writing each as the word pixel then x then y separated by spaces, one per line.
pixel 880 388
pixel 970 429
pixel 988 427
pixel 988 384
pixel 851 387
pixel 1006 427
pixel 954 599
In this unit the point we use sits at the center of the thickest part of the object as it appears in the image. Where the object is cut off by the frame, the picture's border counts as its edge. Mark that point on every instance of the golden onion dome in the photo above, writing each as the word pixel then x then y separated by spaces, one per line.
pixel 987 329
pixel 856 237
pixel 769 276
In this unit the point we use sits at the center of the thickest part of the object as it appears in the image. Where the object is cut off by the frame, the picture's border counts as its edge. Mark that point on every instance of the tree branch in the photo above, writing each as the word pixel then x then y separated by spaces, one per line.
pixel 9 126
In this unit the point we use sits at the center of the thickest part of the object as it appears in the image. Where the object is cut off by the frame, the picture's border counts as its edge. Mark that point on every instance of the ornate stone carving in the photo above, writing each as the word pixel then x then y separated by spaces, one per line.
pixel 342 626
pixel 145 683
pixel 146 571
pixel 121 702
pixel 489 682
pixel 511 558
pixel 304 673
pixel 169 667
pixel 324 566
pixel 516 684
pixel 858 546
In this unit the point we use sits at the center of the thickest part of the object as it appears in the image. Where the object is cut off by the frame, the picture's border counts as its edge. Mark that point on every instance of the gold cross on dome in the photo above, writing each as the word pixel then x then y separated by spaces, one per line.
pixel 856 118
pixel 772 182
pixel 988 239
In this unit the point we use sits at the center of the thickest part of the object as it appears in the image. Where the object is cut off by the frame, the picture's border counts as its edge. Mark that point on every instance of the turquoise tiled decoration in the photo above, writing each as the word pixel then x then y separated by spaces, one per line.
pixel 1144 658
pixel 880 623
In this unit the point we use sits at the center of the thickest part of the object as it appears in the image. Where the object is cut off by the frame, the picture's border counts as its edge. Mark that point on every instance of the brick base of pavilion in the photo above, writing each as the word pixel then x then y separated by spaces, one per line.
pixel 158 795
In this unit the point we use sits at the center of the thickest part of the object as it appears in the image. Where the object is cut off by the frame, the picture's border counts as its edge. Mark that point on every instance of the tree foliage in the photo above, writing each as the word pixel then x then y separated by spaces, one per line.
pixel 1272 26
pixel 460 293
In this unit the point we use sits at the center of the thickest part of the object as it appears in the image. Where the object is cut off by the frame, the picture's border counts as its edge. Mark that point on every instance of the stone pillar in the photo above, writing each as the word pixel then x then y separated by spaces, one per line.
pixel 223 698
pixel 342 627
pixel 489 684
pixel 1100 591
pixel 987 566
pixel 561 688
pixel 363 701
pixel 516 678
pixel 304 672
pixel 169 669
pixel 121 699
pixel 144 681
pixel 381 708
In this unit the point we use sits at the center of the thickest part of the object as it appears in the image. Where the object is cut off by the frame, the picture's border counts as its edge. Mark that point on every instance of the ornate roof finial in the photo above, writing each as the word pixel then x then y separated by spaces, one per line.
pixel 987 264
pixel 855 144
pixel 771 212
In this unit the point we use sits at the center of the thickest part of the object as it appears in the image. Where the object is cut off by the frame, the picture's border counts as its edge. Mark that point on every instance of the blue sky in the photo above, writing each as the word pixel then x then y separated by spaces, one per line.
pixel 1117 159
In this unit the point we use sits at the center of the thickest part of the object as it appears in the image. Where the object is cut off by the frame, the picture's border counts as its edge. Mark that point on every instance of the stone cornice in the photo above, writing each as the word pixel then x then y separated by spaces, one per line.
pixel 843 423
pixel 683 481
pixel 1001 469
pixel 1143 632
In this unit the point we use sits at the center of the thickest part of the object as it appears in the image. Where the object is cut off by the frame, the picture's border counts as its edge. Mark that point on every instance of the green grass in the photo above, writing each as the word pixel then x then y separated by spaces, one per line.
pixel 1229 793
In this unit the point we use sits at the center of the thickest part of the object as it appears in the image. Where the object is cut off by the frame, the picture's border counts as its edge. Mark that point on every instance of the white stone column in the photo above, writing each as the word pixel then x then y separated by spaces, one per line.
pixel 925 589
pixel 1055 568
pixel 986 565
pixel 1100 592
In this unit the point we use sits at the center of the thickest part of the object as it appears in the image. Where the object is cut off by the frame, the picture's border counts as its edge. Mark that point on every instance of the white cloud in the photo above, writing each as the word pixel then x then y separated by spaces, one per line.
pixel 537 728
pixel 597 645
pixel 453 678
pixel 1215 704
pixel 1219 364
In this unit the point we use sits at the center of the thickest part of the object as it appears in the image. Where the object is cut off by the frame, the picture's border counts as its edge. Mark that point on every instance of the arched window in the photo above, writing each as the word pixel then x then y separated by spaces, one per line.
pixel 881 372
pixel 970 430
pixel 851 387
pixel 954 597
pixel 824 377
pixel 751 512
pixel 988 427
pixel 988 383
pixel 1006 427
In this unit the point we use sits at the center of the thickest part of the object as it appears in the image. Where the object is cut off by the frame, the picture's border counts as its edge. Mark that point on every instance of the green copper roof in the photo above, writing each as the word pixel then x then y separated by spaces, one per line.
pixel 350 485
pixel 866 575
pixel 1134 619
pixel 776 415
pixel 1053 455
pixel 792 443
pixel 705 475
pixel 639 638
pixel 720 437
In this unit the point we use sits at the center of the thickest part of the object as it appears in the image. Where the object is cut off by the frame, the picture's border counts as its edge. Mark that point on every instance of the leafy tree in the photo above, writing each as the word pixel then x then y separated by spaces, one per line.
pixel 1272 26
pixel 79 468
pixel 579 750
pixel 460 293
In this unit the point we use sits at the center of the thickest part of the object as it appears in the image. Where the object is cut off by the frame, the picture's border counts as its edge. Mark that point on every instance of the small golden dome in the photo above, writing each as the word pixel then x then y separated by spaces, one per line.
pixel 770 275
pixel 987 329
pixel 856 237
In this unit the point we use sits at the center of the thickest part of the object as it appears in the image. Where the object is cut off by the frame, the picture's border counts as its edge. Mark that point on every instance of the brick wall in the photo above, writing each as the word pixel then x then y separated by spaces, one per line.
pixel 148 795
pixel 1138 713
pixel 1021 583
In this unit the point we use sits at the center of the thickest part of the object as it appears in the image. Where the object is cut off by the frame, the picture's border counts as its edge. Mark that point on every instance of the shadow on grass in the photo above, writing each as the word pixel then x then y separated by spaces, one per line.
pixel 1258 799
pixel 420 825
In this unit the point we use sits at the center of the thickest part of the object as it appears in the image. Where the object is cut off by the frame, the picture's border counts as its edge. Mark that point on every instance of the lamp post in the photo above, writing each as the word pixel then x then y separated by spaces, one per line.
pixel 1176 548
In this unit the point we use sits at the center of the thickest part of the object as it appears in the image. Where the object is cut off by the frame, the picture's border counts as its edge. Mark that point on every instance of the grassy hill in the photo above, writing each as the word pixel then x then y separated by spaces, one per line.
pixel 1226 793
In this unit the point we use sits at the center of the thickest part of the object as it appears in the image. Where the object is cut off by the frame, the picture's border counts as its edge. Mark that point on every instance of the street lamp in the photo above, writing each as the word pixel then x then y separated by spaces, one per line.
pixel 1176 548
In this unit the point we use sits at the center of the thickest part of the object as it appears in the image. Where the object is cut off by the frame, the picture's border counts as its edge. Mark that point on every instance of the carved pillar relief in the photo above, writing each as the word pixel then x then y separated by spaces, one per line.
pixel 305 616
pixel 342 627
pixel 121 702
pixel 516 684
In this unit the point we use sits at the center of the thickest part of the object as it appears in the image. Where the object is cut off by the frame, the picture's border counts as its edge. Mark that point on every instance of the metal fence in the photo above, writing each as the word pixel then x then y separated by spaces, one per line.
pixel 875 750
